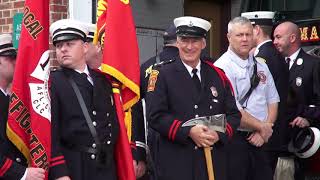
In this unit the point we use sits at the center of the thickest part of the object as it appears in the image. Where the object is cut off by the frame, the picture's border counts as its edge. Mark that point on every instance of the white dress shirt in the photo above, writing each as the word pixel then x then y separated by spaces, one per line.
pixel 239 72
pixel 189 69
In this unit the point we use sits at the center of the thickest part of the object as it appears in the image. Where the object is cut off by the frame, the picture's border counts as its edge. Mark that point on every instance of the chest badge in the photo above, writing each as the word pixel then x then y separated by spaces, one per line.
pixel 214 91
pixel 298 81
pixel 299 61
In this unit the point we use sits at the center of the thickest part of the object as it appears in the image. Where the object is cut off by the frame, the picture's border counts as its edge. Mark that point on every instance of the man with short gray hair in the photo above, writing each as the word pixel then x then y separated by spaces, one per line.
pixel 257 100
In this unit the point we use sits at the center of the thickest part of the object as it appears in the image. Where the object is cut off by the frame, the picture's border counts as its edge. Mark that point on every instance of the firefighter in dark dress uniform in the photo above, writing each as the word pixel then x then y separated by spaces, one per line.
pixel 304 82
pixel 262 22
pixel 168 53
pixel 13 165
pixel 183 89
pixel 82 147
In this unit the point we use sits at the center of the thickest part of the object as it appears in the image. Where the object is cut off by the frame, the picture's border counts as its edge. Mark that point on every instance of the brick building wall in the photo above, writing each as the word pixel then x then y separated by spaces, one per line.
pixel 58 10
pixel 8 8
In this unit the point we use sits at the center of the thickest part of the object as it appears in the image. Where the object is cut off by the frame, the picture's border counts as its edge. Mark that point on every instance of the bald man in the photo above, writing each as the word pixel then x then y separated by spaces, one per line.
pixel 304 82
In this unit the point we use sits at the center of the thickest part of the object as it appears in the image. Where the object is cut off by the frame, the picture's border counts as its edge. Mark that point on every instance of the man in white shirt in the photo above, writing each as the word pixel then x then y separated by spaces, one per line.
pixel 257 100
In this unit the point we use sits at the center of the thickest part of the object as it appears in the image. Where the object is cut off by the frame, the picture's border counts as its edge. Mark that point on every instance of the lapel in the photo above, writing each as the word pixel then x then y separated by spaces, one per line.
pixel 296 70
pixel 204 79
pixel 100 87
pixel 3 97
pixel 96 87
pixel 187 83
pixel 4 101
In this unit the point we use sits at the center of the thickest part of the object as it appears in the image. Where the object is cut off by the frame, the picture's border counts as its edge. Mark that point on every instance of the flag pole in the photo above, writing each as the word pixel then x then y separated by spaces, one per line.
pixel 122 153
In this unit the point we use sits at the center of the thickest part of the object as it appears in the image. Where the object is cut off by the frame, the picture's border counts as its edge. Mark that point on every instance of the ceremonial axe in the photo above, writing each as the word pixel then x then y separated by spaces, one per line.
pixel 217 123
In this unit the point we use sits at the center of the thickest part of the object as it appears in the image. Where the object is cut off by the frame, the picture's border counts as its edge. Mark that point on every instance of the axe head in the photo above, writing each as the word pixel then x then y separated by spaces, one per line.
pixel 216 122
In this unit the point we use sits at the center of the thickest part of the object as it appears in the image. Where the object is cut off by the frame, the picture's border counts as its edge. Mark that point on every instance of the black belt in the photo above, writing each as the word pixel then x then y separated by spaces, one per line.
pixel 104 154
pixel 245 134
pixel 81 148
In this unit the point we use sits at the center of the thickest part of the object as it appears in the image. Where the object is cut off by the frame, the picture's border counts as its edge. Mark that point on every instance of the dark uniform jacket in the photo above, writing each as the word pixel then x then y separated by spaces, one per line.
pixel 304 89
pixel 12 162
pixel 71 137
pixel 168 53
pixel 176 100
pixel 280 74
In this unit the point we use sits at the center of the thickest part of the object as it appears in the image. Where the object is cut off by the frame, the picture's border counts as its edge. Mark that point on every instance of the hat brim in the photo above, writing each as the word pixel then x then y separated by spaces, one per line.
pixel 262 22
pixel 9 53
pixel 190 35
pixel 66 37
pixel 309 145
pixel 186 31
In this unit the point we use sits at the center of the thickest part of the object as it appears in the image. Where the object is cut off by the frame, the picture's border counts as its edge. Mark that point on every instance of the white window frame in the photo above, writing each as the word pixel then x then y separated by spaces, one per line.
pixel 81 10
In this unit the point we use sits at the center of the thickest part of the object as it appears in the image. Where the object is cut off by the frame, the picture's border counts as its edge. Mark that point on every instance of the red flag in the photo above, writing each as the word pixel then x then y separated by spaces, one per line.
pixel 29 116
pixel 101 22
pixel 121 61
pixel 121 54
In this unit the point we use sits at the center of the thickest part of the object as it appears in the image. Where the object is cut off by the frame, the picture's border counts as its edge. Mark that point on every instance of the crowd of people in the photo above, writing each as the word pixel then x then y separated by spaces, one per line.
pixel 266 91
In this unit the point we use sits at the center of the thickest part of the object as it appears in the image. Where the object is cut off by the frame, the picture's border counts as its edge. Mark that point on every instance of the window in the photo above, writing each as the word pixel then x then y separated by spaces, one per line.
pixel 293 9
pixel 83 10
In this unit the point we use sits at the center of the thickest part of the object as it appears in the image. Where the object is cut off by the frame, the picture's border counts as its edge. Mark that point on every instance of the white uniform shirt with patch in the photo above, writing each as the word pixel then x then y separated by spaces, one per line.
pixel 239 72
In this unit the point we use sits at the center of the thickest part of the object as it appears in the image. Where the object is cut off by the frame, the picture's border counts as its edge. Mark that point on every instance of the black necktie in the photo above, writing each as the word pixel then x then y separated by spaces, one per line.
pixel 288 62
pixel 196 79
pixel 84 77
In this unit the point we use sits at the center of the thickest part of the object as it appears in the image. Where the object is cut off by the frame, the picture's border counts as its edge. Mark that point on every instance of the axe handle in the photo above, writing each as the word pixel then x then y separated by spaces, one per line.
pixel 208 155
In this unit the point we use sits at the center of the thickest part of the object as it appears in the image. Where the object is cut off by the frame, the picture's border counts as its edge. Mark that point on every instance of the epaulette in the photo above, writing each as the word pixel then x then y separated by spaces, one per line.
pixel 163 63
pixel 55 69
pixel 261 60
pixel 156 66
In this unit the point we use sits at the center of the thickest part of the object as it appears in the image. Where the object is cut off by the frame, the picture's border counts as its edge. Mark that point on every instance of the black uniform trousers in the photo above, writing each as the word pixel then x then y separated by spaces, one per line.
pixel 247 161
pixel 12 162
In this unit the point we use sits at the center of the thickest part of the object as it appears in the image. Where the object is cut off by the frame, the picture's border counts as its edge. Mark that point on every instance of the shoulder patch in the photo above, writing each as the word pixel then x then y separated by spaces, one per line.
pixel 261 60
pixel 152 80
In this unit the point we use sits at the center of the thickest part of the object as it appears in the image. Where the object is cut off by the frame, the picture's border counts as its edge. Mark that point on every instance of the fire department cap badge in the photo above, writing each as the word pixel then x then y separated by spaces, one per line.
pixel 214 91
pixel 298 81
pixel 299 61
pixel 152 80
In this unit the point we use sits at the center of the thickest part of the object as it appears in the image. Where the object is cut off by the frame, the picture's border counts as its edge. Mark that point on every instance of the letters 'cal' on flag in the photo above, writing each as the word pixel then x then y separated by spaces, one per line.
pixel 29 115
